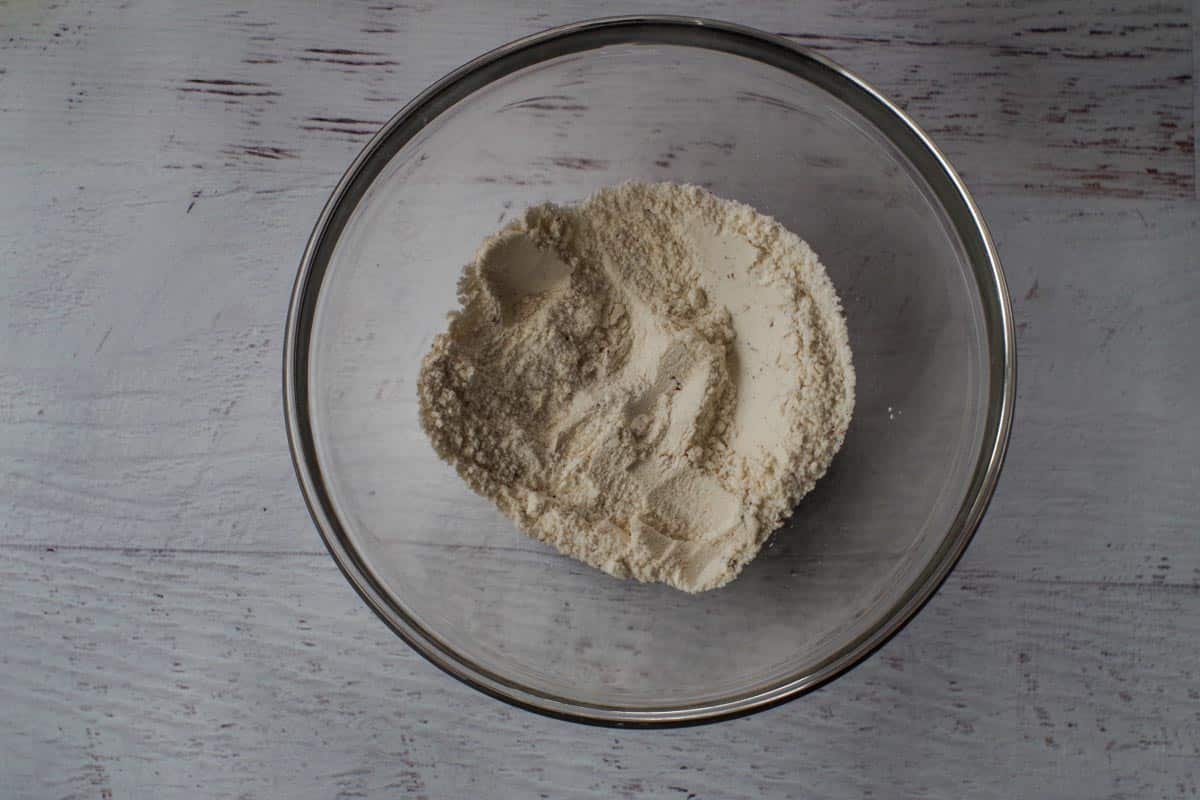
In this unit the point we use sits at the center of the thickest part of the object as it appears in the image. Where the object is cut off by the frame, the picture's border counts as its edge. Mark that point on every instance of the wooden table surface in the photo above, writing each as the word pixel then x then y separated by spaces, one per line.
pixel 170 625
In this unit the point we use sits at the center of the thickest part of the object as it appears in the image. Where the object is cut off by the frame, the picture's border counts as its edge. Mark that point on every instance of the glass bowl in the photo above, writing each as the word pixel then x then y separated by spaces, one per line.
pixel 553 117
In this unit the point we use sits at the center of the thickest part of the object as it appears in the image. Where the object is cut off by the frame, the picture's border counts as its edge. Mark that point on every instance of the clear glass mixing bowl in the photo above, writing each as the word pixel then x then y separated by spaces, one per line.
pixel 554 117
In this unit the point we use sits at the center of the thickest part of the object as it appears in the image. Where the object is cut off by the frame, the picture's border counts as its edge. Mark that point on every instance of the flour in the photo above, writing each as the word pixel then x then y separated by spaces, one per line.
pixel 648 381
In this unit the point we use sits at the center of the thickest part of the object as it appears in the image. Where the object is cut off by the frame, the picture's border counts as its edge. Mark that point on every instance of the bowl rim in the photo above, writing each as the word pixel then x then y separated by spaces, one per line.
pixel 890 120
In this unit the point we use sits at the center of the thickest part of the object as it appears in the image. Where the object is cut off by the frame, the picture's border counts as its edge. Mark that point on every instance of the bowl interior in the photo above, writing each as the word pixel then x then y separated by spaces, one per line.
pixel 557 130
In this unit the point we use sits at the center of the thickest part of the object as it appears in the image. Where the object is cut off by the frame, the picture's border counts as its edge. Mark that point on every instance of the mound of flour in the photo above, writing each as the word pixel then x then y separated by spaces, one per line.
pixel 648 381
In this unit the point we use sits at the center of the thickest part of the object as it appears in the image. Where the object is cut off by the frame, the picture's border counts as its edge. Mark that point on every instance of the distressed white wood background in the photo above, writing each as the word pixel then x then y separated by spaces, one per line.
pixel 170 626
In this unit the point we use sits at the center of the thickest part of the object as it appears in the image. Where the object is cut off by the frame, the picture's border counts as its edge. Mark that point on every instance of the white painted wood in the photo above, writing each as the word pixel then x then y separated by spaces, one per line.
pixel 170 625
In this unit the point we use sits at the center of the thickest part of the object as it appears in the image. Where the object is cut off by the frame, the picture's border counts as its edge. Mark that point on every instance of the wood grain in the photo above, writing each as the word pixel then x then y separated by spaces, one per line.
pixel 254 675
pixel 170 625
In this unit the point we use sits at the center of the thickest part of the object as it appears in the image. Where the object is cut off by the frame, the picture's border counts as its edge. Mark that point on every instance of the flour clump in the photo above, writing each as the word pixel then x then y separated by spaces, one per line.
pixel 648 381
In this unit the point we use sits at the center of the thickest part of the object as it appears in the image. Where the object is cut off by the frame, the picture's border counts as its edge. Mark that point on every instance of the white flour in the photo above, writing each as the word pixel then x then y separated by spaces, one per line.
pixel 649 381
